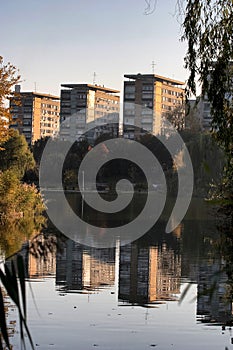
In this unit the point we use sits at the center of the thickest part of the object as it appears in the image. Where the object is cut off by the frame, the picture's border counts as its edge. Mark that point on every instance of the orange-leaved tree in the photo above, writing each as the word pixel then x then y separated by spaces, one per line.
pixel 8 78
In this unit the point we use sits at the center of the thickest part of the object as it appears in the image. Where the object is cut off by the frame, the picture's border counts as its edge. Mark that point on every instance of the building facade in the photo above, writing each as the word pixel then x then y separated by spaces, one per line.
pixel 36 115
pixel 204 105
pixel 85 106
pixel 147 98
pixel 205 116
pixel 198 115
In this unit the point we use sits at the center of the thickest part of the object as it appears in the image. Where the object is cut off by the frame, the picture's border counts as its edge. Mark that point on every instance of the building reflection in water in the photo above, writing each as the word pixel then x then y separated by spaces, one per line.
pixel 83 268
pixel 145 271
pixel 213 302
pixel 149 273
pixel 42 256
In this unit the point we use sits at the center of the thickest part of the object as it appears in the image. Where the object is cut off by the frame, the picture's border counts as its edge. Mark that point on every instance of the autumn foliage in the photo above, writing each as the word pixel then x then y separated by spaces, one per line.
pixel 8 78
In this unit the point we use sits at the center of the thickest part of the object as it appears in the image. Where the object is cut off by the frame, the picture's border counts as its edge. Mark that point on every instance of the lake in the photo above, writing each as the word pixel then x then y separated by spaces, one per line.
pixel 163 290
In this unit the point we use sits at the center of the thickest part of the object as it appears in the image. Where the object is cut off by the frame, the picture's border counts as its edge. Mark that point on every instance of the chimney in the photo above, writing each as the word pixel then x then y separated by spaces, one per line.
pixel 17 88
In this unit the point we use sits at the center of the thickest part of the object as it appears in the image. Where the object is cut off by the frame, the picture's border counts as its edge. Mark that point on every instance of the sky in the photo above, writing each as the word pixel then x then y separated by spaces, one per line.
pixel 62 41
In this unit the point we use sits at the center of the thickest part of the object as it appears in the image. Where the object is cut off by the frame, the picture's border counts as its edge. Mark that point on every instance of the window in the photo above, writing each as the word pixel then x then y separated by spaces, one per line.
pixel 27 122
pixel 147 95
pixel 28 109
pixel 27 102
pixel 147 87
pixel 148 104
pixel 129 112
pixel 206 106
pixel 27 116
pixel 81 96
pixel 65 103
pixel 15 109
pixel 147 112
pixel 65 95
pixel 166 99
pixel 129 96
pixel 129 88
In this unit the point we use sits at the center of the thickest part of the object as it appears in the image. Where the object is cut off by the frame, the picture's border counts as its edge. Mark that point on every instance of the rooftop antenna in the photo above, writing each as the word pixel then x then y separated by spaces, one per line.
pixel 153 64
pixel 94 78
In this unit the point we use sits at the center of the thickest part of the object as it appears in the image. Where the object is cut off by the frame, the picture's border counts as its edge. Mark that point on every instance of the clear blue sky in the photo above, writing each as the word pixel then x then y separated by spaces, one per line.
pixel 60 41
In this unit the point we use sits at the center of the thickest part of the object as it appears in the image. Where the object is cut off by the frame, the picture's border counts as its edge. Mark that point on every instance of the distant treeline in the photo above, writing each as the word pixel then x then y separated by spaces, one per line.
pixel 207 160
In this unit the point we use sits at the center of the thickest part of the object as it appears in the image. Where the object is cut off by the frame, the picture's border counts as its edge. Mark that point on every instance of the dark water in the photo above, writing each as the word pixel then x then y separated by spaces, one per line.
pixel 128 297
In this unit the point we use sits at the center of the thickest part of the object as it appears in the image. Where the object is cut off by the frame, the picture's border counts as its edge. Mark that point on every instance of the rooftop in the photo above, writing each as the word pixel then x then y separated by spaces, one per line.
pixel 155 77
pixel 38 94
pixel 91 87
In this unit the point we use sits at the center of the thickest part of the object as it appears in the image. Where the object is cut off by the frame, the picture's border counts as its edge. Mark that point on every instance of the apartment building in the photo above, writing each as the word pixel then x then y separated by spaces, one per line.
pixel 36 115
pixel 204 107
pixel 85 106
pixel 147 99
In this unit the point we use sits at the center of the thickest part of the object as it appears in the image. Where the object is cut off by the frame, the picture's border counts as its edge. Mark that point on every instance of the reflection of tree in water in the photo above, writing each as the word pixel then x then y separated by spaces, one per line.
pixel 225 247
pixel 215 284
pixel 21 210
pixel 41 253
pixel 14 233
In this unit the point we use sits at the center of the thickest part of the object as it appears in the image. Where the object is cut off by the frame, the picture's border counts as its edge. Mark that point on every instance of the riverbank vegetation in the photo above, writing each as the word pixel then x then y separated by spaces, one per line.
pixel 21 205
pixel 206 156
pixel 208 31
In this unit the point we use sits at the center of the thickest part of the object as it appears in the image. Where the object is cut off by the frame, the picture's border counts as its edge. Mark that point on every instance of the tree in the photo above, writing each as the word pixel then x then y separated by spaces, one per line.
pixel 208 30
pixel 176 117
pixel 38 148
pixel 192 118
pixel 21 212
pixel 21 205
pixel 15 154
pixel 8 78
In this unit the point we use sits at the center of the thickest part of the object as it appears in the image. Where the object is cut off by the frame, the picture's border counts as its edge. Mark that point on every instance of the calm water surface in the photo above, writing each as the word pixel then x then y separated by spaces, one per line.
pixel 128 297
